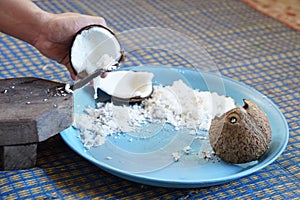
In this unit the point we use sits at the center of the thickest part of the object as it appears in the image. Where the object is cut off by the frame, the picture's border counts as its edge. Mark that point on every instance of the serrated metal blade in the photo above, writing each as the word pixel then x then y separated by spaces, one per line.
pixel 87 79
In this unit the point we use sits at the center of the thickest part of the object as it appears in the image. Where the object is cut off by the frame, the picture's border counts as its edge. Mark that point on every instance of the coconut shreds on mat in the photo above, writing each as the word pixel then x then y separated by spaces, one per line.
pixel 178 105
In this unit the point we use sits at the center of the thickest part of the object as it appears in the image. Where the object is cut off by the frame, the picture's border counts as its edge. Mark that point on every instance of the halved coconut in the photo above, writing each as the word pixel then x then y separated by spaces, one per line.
pixel 126 86
pixel 95 47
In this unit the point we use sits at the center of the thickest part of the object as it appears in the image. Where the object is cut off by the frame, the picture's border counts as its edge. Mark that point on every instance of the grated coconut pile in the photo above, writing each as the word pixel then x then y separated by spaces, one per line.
pixel 178 105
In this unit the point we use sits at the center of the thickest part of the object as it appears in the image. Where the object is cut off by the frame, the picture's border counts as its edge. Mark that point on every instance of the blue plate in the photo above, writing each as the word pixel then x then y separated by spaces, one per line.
pixel 147 159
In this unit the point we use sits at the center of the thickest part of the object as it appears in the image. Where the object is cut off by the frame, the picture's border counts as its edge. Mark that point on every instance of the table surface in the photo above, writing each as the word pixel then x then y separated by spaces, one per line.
pixel 245 45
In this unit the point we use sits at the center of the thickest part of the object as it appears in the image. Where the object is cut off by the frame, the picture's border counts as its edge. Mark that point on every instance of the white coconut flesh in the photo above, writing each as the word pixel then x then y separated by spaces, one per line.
pixel 95 47
pixel 126 84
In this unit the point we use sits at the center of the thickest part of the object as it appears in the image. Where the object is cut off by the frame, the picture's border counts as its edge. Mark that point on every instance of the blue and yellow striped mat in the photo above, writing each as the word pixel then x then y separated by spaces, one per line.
pixel 245 45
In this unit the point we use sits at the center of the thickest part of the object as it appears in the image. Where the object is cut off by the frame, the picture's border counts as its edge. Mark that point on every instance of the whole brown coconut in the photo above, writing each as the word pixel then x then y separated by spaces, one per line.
pixel 241 135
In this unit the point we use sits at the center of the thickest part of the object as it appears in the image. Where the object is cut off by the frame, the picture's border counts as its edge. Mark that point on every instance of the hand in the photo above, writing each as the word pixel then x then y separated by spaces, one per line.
pixel 55 37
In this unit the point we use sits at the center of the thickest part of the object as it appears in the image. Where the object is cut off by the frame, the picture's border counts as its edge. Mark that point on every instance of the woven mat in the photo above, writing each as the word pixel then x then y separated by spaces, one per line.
pixel 286 11
pixel 246 46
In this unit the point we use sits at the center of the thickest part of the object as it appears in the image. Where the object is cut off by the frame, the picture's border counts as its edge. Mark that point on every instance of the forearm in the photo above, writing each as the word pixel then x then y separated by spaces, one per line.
pixel 49 33
pixel 22 19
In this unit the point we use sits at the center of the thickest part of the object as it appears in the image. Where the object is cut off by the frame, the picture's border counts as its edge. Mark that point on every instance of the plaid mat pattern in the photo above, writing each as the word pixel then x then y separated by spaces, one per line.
pixel 245 45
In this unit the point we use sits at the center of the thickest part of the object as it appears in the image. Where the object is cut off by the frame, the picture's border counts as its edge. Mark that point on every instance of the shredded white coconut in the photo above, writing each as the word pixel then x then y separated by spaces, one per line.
pixel 68 88
pixel 178 105
pixel 187 149
pixel 176 156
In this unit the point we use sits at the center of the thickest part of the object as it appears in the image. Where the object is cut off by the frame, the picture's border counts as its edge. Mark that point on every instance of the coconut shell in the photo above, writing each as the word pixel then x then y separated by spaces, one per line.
pixel 81 31
pixel 241 135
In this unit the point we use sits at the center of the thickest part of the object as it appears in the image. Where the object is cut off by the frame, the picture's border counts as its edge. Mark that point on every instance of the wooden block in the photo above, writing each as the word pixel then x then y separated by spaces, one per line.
pixel 18 157
pixel 31 111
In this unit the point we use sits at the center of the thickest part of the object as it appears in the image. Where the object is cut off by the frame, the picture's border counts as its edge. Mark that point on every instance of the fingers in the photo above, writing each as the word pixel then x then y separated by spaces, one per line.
pixel 86 20
pixel 66 62
pixel 80 21
pixel 65 26
pixel 103 75
pixel 72 74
